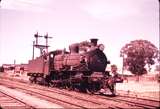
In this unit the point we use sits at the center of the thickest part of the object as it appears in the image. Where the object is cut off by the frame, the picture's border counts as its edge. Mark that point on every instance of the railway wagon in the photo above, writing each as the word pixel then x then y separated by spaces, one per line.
pixel 84 71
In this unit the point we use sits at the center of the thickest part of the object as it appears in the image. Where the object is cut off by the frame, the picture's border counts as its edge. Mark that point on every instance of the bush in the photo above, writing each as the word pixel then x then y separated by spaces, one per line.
pixel 1 69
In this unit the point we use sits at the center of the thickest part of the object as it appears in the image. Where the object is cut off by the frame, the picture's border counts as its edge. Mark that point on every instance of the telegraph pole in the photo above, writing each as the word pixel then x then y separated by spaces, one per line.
pixel 33 50
pixel 39 46
pixel 46 37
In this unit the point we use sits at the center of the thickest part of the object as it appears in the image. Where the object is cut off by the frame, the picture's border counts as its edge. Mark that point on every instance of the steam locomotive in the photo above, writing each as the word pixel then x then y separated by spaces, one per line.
pixel 82 70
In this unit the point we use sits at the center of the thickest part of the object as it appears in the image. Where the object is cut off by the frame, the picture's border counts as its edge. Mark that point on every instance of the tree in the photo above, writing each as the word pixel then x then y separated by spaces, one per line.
pixel 1 69
pixel 138 54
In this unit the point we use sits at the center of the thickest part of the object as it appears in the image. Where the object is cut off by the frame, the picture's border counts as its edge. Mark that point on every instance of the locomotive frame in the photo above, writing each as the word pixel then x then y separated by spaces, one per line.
pixel 84 72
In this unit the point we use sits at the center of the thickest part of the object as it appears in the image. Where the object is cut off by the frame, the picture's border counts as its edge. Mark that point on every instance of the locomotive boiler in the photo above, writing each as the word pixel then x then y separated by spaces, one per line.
pixel 83 70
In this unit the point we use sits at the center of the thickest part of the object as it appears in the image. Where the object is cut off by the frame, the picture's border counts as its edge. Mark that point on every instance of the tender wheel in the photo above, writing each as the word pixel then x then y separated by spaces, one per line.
pixel 40 80
pixel 32 79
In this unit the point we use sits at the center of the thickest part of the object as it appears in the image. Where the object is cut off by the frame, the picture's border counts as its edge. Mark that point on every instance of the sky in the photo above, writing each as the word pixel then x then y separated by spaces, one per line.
pixel 113 22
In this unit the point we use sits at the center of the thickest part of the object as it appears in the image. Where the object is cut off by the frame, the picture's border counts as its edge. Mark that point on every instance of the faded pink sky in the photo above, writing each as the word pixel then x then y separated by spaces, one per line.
pixel 113 22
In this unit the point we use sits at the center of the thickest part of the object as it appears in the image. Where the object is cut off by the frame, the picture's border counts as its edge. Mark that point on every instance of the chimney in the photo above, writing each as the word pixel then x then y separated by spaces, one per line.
pixel 94 42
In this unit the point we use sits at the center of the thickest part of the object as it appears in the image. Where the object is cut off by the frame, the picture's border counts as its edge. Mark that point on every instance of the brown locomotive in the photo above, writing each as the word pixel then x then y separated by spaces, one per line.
pixel 84 71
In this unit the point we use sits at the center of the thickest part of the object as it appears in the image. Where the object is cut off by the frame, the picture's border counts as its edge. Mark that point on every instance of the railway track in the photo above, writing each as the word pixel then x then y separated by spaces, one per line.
pixel 148 103
pixel 135 101
pixel 58 98
pixel 9 102
pixel 81 100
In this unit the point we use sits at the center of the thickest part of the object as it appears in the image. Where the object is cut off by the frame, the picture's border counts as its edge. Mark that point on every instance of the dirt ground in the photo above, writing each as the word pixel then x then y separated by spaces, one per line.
pixel 148 88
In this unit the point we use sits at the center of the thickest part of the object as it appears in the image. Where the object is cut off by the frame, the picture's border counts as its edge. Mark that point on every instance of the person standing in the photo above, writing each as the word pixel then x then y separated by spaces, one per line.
pixel 114 78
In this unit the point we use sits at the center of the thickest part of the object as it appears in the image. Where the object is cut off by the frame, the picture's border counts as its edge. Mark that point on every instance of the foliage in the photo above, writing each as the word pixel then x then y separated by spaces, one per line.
pixel 12 68
pixel 157 68
pixel 1 69
pixel 138 54
pixel 22 68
